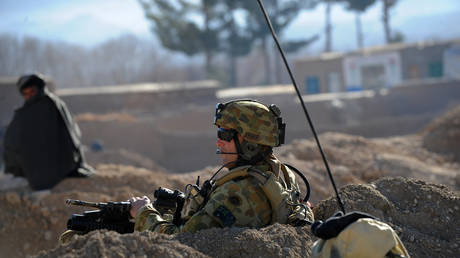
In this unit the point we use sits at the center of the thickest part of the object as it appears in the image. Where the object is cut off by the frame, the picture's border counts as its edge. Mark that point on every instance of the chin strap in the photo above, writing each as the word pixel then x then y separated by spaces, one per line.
pixel 241 160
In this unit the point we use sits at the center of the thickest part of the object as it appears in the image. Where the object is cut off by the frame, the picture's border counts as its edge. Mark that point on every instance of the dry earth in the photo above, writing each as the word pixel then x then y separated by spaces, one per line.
pixel 425 212
pixel 443 134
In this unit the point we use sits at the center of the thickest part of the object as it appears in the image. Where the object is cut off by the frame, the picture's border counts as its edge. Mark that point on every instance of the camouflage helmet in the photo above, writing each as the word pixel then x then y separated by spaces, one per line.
pixel 254 121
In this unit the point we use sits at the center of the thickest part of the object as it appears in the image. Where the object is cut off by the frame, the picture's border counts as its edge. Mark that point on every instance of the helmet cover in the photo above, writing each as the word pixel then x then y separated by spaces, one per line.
pixel 254 121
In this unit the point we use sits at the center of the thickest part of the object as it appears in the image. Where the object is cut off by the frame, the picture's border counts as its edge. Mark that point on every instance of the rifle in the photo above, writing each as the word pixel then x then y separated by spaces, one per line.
pixel 167 201
pixel 110 215
pixel 115 215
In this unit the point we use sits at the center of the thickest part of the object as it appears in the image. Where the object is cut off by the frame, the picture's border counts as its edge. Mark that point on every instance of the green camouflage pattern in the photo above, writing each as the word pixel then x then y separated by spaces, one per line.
pixel 237 203
pixel 252 120
pixel 283 193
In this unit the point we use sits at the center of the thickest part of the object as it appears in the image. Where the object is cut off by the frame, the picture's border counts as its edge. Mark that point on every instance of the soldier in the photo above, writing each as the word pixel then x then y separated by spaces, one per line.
pixel 257 190
pixel 42 142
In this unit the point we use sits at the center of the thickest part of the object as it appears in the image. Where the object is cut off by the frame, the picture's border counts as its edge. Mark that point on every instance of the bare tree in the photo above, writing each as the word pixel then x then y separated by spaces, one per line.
pixel 359 6
pixel 387 5
pixel 123 60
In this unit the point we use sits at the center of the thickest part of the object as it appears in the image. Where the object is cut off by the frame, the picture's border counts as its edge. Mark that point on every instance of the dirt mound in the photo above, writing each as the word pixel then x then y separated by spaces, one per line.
pixel 112 244
pixel 122 156
pixel 32 221
pixel 424 215
pixel 427 226
pixel 355 159
pixel 443 134
pixel 273 241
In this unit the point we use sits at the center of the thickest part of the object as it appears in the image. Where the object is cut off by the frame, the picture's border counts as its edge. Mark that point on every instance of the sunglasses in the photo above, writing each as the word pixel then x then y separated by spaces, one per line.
pixel 225 134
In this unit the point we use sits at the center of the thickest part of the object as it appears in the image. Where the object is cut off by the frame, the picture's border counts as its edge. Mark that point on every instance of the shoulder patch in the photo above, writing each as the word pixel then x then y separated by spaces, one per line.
pixel 224 215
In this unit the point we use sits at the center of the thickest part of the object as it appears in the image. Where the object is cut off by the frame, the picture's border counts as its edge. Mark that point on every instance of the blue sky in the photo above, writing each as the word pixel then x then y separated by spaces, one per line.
pixel 90 22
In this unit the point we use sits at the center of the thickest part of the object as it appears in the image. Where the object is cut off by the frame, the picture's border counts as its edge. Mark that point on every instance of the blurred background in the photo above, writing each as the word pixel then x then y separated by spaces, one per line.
pixel 142 77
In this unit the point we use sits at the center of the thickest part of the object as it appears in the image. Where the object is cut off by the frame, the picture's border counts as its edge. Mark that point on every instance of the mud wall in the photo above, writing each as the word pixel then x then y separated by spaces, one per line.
pixel 183 139
pixel 170 142
pixel 141 98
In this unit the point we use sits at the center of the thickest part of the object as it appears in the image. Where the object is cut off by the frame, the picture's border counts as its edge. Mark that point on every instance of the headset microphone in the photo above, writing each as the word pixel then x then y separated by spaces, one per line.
pixel 220 152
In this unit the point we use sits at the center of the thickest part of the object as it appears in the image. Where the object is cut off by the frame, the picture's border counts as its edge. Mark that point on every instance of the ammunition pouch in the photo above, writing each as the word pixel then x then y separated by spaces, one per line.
pixel 193 202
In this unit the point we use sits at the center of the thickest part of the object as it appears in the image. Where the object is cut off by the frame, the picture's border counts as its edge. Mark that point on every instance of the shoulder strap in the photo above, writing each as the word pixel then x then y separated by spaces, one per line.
pixel 231 174
pixel 245 171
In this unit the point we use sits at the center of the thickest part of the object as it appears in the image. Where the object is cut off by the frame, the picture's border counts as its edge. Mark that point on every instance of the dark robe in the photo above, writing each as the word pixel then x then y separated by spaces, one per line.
pixel 42 143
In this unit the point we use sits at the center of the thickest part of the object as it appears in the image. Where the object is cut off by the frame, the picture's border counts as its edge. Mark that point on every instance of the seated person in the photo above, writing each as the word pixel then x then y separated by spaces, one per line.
pixel 42 142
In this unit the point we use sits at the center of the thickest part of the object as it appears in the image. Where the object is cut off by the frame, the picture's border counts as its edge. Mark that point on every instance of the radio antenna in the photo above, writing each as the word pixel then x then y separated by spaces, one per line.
pixel 310 123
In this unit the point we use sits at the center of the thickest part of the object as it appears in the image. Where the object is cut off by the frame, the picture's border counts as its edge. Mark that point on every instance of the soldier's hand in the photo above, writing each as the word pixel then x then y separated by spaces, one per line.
pixel 137 203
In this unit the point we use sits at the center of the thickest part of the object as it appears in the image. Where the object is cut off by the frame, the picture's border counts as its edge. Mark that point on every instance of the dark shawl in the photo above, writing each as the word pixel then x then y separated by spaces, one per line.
pixel 42 143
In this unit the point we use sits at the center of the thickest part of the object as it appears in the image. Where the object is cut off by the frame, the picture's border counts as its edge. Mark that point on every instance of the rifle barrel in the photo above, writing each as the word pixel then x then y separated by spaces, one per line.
pixel 83 203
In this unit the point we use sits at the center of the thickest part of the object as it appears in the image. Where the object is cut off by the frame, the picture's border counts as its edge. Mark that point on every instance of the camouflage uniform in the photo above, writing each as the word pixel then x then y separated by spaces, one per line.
pixel 239 203
pixel 243 200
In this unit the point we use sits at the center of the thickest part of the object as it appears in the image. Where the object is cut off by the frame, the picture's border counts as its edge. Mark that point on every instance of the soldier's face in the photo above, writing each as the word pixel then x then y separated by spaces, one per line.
pixel 228 147
pixel 29 92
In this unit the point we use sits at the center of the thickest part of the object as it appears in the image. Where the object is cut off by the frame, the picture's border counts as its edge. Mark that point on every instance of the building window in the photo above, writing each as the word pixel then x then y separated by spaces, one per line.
pixel 312 85
pixel 373 77
pixel 435 70
pixel 333 81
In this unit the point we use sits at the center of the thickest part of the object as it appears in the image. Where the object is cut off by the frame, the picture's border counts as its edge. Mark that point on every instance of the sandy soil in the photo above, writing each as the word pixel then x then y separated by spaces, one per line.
pixel 425 227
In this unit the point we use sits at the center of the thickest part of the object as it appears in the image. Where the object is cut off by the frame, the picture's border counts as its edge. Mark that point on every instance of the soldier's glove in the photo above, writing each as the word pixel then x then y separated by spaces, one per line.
pixel 335 224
